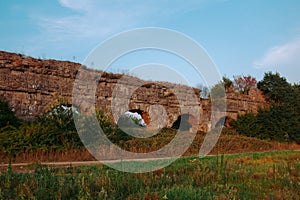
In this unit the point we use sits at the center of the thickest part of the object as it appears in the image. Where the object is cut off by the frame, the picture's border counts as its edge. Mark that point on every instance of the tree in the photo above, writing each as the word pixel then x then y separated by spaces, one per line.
pixel 275 87
pixel 243 84
pixel 227 82
pixel 217 90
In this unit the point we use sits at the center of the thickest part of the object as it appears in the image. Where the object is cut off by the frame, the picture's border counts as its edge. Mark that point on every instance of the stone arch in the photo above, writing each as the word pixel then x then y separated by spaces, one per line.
pixel 220 122
pixel 224 121
pixel 228 121
pixel 184 122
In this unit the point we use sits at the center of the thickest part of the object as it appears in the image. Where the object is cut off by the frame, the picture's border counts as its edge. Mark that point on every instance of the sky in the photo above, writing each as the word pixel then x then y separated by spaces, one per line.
pixel 248 37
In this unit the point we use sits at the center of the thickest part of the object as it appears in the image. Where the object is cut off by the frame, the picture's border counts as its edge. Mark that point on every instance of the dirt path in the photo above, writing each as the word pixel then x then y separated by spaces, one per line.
pixel 78 163
pixel 20 167
pixel 28 167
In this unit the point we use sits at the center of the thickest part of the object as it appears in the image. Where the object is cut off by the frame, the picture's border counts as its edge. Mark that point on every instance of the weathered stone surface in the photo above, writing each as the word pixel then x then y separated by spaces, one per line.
pixel 32 85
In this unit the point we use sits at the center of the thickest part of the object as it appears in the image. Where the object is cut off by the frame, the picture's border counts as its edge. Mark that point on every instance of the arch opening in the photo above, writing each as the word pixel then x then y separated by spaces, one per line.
pixel 224 121
pixel 134 118
pixel 145 116
pixel 184 122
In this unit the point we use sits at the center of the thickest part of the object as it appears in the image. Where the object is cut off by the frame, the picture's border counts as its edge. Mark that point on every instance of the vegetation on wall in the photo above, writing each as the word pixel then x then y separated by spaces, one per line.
pixel 243 84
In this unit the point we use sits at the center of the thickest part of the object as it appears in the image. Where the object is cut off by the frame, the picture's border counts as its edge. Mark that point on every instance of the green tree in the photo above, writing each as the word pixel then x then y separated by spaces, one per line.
pixel 275 87
pixel 227 82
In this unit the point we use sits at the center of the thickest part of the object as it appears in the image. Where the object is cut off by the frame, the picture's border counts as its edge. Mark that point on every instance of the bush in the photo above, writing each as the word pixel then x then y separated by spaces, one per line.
pixel 246 124
pixel 53 131
pixel 7 116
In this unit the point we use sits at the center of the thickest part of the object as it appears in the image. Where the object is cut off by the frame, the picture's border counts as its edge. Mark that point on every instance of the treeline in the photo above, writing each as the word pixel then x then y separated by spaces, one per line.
pixel 281 120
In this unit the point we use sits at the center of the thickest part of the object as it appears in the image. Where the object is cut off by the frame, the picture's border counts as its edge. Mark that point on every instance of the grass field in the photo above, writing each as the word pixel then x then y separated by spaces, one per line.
pixel 268 175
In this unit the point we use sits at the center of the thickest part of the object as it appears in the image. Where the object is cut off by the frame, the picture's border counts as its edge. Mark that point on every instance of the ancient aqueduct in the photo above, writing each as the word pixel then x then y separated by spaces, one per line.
pixel 32 85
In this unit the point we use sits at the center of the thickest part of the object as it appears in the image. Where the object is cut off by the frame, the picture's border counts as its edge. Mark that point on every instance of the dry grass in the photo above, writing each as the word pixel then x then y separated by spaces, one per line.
pixel 50 156
pixel 228 143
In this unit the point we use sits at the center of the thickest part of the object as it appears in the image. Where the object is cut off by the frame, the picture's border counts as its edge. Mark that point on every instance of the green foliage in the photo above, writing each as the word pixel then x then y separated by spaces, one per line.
pixel 7 116
pixel 218 96
pixel 246 124
pixel 275 87
pixel 281 121
pixel 227 82
pixel 54 130
pixel 217 90
pixel 110 129
pixel 60 117
pixel 272 123
pixel 105 121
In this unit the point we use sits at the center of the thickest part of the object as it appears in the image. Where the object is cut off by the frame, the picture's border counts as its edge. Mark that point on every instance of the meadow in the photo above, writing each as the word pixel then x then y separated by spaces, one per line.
pixel 264 175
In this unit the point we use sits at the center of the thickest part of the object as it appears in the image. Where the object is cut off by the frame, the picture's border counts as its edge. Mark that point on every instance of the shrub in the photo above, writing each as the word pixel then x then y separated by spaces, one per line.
pixel 54 130
pixel 7 116
pixel 279 122
pixel 246 124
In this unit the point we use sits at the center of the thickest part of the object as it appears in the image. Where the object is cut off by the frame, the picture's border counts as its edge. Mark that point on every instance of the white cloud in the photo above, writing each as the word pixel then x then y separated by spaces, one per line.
pixel 92 21
pixel 78 5
pixel 284 59
pixel 94 18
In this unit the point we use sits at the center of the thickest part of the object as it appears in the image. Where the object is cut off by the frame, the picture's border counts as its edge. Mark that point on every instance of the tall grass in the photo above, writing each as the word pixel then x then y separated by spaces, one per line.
pixel 228 143
pixel 247 176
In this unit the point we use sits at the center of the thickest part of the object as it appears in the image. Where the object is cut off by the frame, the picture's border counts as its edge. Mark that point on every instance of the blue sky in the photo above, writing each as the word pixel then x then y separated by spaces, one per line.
pixel 242 37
